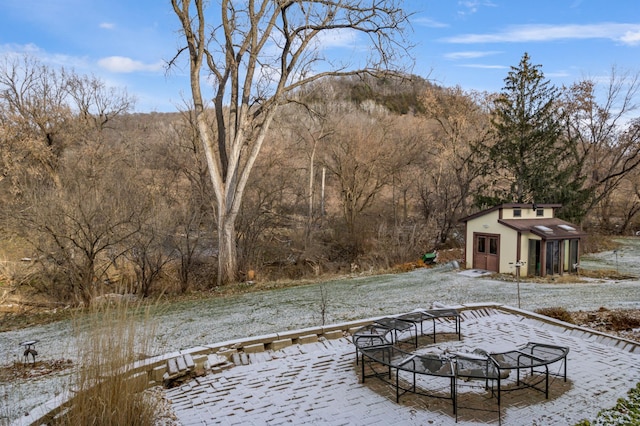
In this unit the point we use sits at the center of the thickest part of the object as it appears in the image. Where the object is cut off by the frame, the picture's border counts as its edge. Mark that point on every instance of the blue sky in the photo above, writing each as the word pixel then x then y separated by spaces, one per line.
pixel 468 43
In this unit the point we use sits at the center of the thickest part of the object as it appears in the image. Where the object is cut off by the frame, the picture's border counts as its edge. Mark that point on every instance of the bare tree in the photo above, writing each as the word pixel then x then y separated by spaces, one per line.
pixel 82 228
pixel 264 215
pixel 449 180
pixel 192 207
pixel 257 52
pixel 95 104
pixel 34 105
pixel 606 136
pixel 75 202
pixel 307 129
pixel 45 112
pixel 630 205
pixel 363 157
pixel 150 251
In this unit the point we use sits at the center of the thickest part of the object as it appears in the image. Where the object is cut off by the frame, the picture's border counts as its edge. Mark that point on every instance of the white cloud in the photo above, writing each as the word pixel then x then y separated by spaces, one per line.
pixel 557 74
pixel 470 54
pixel 33 50
pixel 107 25
pixel 469 7
pixel 121 64
pixel 324 40
pixel 19 49
pixel 631 38
pixel 336 38
pixel 486 67
pixel 623 33
pixel 430 23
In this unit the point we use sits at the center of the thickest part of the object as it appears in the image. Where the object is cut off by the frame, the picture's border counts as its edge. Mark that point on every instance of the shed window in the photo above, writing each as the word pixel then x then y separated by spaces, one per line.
pixel 517 213
pixel 540 212
pixel 544 229
pixel 493 246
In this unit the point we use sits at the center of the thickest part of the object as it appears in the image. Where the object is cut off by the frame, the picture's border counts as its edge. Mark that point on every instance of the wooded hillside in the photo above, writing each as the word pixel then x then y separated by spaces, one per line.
pixel 357 175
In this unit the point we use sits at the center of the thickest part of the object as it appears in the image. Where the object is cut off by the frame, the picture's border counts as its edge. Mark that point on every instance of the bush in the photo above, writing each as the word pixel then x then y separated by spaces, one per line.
pixel 626 412
pixel 558 313
pixel 623 321
pixel 595 243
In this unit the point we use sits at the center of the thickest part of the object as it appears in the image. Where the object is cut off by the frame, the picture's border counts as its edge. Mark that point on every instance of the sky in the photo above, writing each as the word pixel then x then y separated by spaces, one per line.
pixel 471 43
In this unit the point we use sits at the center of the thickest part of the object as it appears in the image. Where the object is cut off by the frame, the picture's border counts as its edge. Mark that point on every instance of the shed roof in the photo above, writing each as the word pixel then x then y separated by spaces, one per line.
pixel 509 206
pixel 547 228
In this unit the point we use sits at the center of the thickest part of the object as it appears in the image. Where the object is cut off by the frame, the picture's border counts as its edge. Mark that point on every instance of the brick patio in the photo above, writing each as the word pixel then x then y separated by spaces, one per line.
pixel 319 382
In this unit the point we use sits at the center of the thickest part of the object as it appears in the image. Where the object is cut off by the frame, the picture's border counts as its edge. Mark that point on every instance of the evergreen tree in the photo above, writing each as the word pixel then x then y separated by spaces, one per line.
pixel 526 161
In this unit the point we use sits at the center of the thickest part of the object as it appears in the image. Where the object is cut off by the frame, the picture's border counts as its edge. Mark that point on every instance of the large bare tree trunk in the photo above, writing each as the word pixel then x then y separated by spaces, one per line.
pixel 259 53
pixel 227 253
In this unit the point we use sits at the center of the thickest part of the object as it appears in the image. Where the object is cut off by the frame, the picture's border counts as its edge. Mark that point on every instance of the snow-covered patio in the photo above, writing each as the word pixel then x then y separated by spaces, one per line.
pixel 184 325
pixel 319 383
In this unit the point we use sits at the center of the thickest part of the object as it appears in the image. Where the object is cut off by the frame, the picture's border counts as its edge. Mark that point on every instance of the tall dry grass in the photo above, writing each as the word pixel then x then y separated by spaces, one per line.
pixel 110 339
pixel 6 413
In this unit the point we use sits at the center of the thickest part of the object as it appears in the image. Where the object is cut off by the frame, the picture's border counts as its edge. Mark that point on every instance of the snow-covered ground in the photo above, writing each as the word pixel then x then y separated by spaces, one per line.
pixel 188 324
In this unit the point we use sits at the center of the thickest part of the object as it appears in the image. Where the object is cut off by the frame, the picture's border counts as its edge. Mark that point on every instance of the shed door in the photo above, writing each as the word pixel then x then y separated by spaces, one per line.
pixel 554 258
pixel 486 252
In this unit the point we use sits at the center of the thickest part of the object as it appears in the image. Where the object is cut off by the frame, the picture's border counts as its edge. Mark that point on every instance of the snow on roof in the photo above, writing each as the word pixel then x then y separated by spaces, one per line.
pixel 547 228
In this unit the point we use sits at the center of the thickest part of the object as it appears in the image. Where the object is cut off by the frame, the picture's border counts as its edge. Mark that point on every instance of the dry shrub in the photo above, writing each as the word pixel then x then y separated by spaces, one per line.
pixel 605 274
pixel 558 313
pixel 448 255
pixel 559 279
pixel 621 320
pixel 110 339
pixel 405 267
pixel 595 243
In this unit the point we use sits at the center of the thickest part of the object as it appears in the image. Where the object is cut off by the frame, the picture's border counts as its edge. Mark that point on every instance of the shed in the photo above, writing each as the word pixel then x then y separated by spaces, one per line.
pixel 528 236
